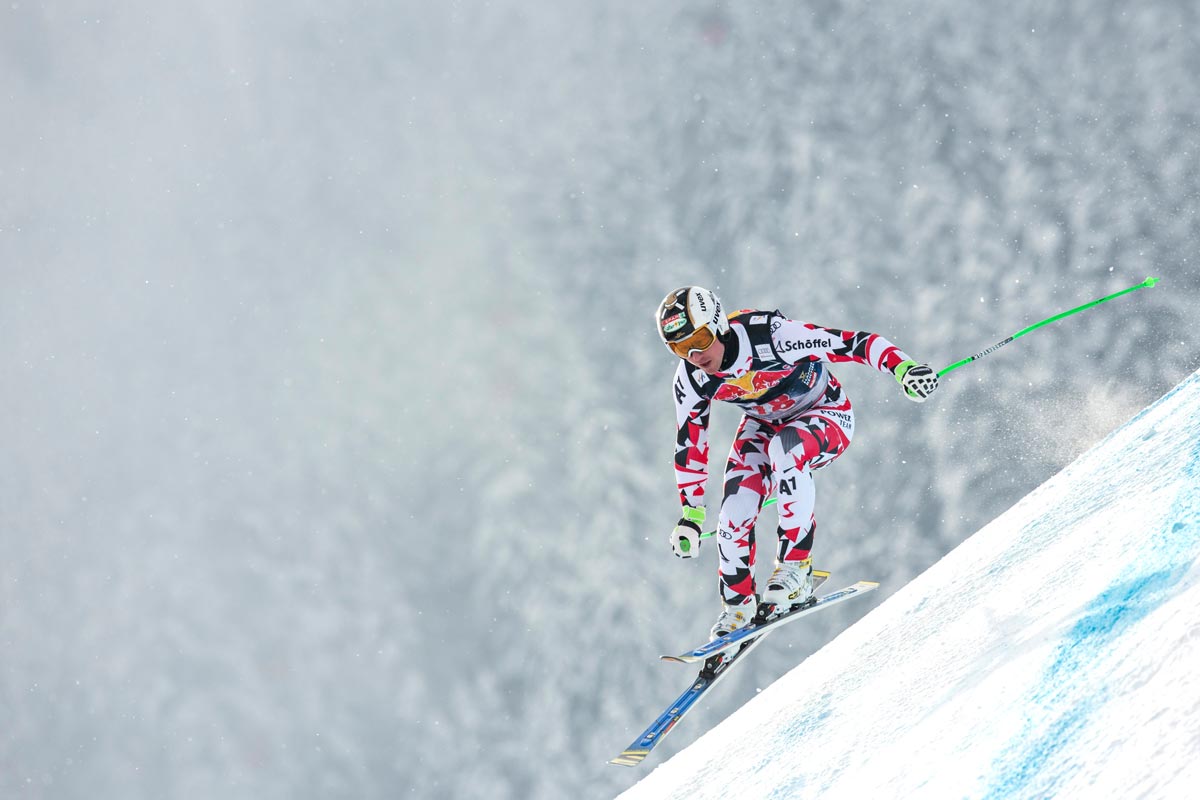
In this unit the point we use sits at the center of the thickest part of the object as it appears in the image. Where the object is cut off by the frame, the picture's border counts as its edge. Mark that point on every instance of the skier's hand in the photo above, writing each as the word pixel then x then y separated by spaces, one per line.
pixel 918 380
pixel 685 539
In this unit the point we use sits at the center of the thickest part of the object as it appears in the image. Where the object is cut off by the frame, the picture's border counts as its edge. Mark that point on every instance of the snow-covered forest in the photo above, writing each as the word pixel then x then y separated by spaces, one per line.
pixel 337 433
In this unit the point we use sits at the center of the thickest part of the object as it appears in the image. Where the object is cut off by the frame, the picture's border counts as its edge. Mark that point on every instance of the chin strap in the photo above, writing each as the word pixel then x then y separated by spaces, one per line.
pixel 729 341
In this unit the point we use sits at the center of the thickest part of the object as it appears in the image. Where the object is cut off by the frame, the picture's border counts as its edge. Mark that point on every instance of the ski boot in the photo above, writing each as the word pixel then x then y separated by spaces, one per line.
pixel 790 588
pixel 732 617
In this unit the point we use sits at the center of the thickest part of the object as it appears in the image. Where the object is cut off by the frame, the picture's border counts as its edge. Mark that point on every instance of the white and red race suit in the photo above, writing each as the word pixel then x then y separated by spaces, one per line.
pixel 797 420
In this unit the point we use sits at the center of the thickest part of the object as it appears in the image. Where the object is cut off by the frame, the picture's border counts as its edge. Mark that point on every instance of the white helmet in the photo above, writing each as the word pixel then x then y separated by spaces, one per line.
pixel 690 319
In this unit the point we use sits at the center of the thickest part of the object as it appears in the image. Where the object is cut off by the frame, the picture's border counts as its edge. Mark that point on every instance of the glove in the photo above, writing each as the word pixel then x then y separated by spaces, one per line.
pixel 685 539
pixel 918 380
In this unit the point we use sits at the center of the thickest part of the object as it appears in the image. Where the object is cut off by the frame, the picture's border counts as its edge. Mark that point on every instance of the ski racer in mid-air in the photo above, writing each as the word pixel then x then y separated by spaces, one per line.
pixel 797 420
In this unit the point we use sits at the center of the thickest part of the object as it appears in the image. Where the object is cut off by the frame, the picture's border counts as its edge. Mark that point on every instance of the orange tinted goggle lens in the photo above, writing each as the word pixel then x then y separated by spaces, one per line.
pixel 698 342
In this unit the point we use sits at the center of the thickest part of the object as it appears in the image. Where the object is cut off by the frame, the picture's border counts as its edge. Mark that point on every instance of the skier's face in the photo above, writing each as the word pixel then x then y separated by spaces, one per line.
pixel 708 360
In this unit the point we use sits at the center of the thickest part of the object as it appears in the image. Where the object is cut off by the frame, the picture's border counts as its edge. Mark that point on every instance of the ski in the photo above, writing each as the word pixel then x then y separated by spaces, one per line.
pixel 636 753
pixel 753 632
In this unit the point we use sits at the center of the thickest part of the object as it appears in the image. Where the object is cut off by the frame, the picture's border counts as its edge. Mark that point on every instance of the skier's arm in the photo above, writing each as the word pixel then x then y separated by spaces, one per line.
pixel 691 441
pixel 801 341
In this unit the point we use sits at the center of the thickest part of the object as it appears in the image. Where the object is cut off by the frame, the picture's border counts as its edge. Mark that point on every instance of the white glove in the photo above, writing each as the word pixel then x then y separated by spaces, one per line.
pixel 918 380
pixel 685 539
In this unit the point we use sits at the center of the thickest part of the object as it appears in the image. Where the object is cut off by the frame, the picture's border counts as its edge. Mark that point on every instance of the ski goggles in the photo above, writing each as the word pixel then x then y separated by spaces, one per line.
pixel 697 341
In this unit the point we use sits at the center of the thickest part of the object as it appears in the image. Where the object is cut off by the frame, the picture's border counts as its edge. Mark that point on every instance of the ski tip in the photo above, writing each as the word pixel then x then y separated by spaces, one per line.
pixel 684 659
pixel 630 758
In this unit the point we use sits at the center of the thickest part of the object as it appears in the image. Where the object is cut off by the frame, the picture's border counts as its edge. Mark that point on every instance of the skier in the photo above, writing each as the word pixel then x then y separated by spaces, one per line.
pixel 797 420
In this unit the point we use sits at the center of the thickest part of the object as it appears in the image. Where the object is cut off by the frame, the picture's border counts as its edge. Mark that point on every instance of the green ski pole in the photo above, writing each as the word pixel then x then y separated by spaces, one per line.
pixel 1034 327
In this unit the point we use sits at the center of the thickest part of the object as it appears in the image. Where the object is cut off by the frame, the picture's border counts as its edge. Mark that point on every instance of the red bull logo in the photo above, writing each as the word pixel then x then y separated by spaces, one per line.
pixel 764 380
pixel 729 391
pixel 751 385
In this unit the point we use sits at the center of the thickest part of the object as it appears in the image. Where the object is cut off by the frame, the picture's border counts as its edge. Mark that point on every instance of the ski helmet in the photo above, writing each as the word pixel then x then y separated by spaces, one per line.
pixel 690 319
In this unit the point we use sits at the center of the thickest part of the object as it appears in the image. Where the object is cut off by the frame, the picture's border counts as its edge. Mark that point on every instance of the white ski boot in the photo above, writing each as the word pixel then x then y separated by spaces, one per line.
pixel 734 617
pixel 790 586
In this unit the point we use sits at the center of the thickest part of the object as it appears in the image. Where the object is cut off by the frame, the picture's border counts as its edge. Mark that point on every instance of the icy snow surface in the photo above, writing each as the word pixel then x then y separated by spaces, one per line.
pixel 1053 654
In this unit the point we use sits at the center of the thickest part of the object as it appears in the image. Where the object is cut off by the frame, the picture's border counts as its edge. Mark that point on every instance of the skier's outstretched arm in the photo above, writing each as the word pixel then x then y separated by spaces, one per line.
pixel 800 341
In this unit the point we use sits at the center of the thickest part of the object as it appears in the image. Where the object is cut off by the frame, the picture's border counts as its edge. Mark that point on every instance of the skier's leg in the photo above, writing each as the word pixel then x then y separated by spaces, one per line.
pixel 809 442
pixel 747 485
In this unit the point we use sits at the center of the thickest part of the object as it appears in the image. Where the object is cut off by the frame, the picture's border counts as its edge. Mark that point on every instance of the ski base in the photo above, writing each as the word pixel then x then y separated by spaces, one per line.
pixel 717 664
pixel 709 677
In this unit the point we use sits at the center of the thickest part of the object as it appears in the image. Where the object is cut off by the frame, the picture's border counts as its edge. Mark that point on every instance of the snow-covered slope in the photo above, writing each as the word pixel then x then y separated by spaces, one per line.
pixel 1056 653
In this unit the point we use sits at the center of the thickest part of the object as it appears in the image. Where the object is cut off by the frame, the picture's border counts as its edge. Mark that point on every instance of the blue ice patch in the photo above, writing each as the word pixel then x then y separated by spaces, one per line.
pixel 1074 685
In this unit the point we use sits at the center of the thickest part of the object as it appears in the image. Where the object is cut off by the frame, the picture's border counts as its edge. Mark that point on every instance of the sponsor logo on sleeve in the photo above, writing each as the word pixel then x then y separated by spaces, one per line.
pixel 804 344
